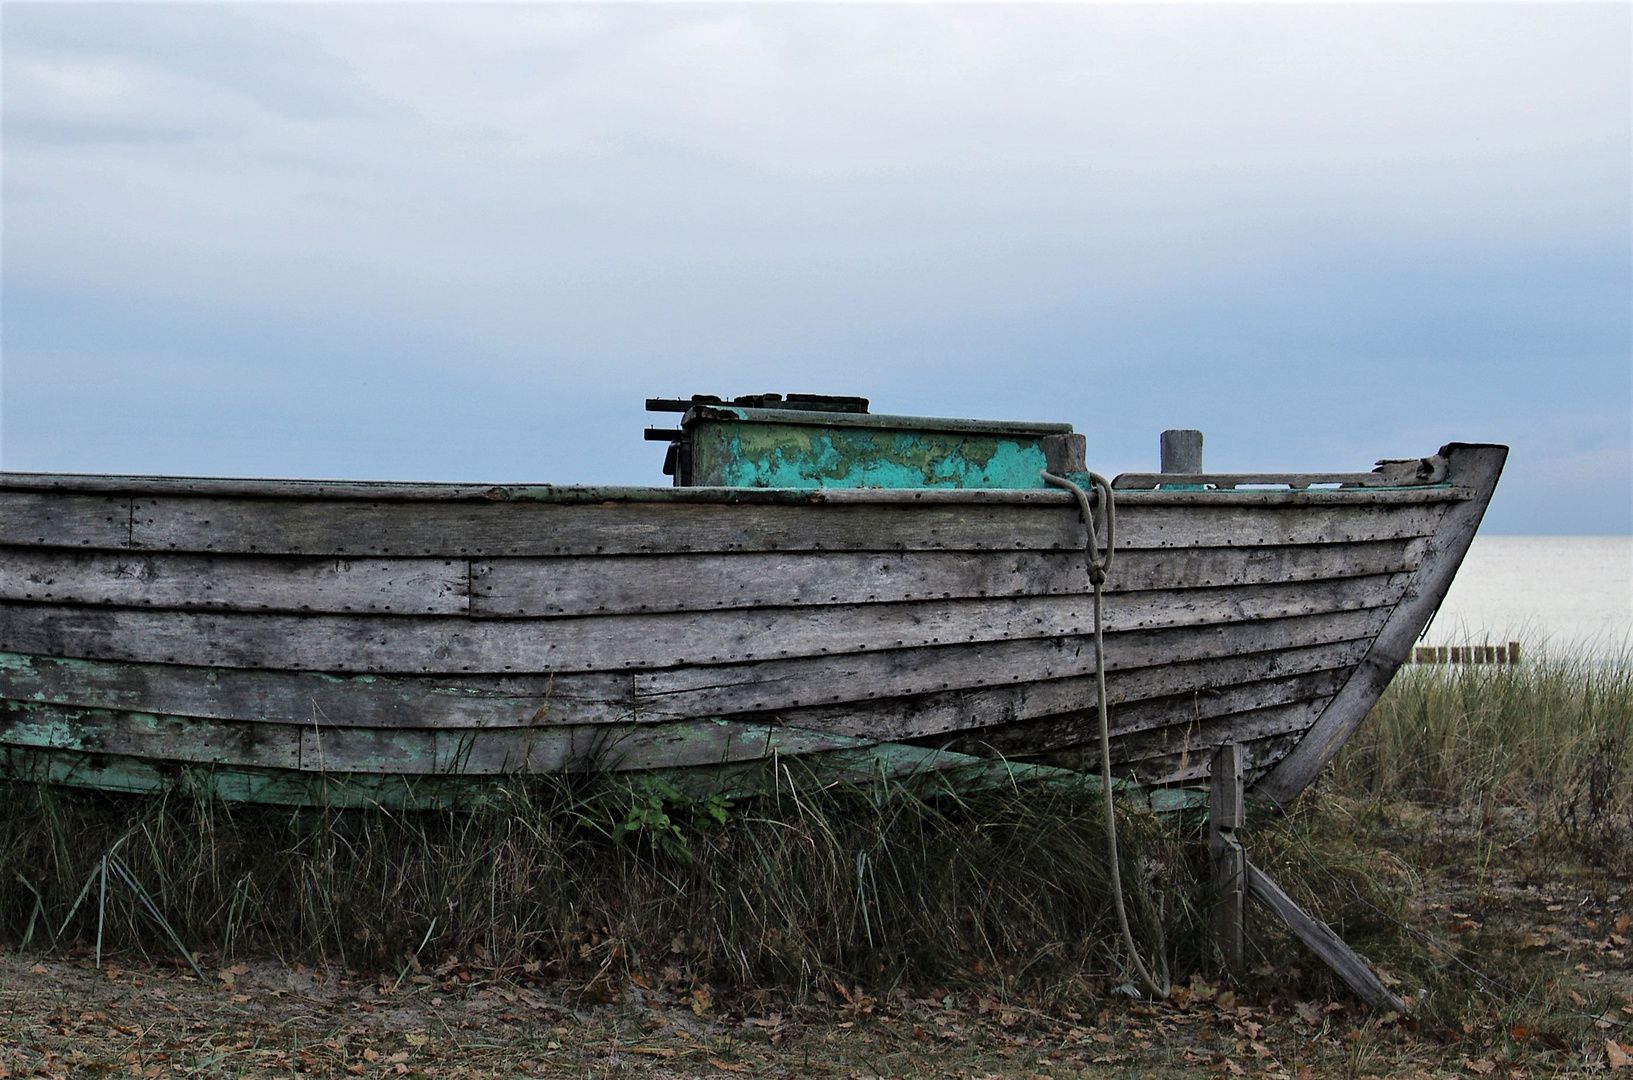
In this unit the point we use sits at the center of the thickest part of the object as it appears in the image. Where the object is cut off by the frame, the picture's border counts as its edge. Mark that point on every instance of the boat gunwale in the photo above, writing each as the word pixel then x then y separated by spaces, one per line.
pixel 409 492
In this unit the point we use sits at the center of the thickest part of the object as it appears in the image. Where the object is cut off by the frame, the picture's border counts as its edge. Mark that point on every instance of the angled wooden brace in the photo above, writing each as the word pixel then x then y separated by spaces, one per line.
pixel 1235 878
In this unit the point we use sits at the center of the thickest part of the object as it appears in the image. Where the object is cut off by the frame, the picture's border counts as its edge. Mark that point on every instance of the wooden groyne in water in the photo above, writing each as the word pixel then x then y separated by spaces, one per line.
pixel 1467 654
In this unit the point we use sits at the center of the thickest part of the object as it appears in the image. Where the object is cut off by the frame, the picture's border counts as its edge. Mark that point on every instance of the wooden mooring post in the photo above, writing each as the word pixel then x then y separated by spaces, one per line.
pixel 1235 878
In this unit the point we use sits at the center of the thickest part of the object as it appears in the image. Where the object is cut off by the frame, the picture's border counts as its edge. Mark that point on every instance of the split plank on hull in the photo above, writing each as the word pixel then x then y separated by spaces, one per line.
pixel 1059 713
pixel 379 643
pixel 1269 732
pixel 1079 727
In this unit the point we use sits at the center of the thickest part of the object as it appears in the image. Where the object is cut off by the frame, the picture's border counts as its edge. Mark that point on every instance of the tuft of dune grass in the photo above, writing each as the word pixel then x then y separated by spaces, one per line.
pixel 1552 735
pixel 597 879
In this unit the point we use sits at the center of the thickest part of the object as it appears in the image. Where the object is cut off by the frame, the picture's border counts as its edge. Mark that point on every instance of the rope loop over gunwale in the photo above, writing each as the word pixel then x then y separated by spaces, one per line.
pixel 1099 564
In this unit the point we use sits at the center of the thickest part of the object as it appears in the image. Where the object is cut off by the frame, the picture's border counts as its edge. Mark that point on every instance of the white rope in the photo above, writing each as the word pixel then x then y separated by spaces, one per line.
pixel 1099 563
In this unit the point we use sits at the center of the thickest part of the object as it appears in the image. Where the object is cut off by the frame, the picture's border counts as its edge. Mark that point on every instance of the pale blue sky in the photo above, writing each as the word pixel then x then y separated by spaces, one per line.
pixel 463 242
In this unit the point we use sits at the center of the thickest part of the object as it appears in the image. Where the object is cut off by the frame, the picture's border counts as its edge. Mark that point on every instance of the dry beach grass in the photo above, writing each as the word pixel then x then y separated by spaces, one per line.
pixel 1472 841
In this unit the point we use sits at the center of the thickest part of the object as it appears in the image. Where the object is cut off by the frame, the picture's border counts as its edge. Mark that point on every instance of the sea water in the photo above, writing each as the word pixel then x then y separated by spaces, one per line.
pixel 1570 595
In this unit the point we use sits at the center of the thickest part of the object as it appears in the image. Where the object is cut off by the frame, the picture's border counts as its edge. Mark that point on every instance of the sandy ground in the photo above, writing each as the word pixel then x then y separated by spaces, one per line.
pixel 67 1018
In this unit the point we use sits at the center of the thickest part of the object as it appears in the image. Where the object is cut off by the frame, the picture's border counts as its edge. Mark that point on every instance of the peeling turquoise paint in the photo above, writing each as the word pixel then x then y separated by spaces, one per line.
pixel 749 454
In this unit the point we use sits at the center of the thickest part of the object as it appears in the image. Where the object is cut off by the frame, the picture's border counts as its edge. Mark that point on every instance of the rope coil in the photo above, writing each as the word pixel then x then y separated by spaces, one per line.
pixel 1099 564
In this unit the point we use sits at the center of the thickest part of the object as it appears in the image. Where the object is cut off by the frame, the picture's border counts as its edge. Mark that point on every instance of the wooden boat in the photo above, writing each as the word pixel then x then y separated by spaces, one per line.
pixel 855 591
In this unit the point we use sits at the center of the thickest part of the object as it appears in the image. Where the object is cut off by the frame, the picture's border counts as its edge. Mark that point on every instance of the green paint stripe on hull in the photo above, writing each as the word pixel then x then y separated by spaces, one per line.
pixel 283 787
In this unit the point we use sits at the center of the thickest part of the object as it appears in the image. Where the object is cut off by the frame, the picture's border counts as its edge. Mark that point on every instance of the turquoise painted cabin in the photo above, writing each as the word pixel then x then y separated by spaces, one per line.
pixel 812 441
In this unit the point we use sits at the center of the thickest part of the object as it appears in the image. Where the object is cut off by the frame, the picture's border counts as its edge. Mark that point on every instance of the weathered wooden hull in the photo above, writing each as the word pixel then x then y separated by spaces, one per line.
pixel 295 642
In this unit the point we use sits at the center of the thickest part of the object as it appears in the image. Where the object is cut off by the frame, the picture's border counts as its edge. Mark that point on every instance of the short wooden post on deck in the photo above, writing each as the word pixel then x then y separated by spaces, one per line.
pixel 1225 817
pixel 1181 451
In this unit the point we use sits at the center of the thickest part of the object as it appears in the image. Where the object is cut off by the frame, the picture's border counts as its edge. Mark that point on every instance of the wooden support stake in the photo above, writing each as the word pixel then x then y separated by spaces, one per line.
pixel 1323 942
pixel 1229 862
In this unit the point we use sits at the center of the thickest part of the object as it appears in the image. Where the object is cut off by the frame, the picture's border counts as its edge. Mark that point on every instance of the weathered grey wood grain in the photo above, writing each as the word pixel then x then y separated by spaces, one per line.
pixel 296 697
pixel 1323 941
pixel 65 519
pixel 580 585
pixel 785 683
pixel 1296 497
pixel 1229 481
pixel 519 528
pixel 533 529
pixel 1148 727
pixel 1172 568
pixel 386 644
pixel 293 787
pixel 244 583
pixel 1181 451
pixel 1242 612
pixel 1475 466
pixel 969 690
pixel 246 784
pixel 149 735
pixel 1191 769
pixel 1036 717
pixel 615 747
pixel 577 585
pixel 1168 755
pixel 415 751
pixel 1249 525
pixel 1141 664
pixel 1225 821
pixel 484 752
pixel 1263 735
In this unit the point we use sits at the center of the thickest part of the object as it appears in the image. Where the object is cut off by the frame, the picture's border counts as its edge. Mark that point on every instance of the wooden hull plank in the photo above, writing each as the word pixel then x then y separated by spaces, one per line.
pixel 1174 761
pixel 340 528
pixel 283 787
pixel 865 676
pixel 579 585
pixel 583 586
pixel 64 519
pixel 604 746
pixel 769 686
pixel 534 529
pixel 1005 718
pixel 235 583
pixel 147 735
pixel 441 644
pixel 1169 718
pixel 275 787
pixel 407 751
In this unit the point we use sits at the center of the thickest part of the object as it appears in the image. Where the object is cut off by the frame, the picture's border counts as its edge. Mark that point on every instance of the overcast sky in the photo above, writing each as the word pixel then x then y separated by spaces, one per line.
pixel 463 242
